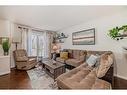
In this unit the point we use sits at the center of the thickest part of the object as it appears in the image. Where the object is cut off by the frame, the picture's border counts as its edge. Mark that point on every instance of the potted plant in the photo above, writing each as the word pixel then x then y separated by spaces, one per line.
pixel 6 46
pixel 113 33
pixel 118 32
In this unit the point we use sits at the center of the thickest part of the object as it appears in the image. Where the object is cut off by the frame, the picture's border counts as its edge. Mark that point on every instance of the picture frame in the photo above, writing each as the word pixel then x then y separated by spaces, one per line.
pixel 84 37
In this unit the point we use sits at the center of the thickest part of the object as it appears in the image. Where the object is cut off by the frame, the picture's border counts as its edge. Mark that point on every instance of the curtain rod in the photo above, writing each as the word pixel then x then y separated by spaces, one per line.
pixel 35 29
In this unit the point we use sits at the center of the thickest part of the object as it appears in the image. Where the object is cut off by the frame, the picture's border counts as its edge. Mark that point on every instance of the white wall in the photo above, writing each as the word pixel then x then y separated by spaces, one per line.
pixel 103 42
pixel 6 29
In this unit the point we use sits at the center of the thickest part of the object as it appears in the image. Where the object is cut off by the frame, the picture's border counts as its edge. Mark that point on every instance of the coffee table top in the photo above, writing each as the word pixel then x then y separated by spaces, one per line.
pixel 49 63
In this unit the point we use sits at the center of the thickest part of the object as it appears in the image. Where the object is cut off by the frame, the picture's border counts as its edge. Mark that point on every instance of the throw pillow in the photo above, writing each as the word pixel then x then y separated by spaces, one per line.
pixel 98 60
pixel 91 60
pixel 105 62
pixel 64 55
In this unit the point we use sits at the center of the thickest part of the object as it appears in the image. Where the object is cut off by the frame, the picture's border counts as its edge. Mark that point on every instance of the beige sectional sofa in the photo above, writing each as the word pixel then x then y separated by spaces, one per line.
pixel 75 57
pixel 86 77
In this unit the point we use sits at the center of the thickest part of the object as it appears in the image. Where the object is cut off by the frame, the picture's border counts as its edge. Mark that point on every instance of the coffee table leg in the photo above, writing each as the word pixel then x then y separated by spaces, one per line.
pixel 54 75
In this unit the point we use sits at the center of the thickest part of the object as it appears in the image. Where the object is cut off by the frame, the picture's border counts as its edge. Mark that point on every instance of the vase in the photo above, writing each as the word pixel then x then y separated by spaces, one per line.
pixel 6 53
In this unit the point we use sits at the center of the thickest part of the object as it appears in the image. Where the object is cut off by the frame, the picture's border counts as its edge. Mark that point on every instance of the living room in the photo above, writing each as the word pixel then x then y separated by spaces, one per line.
pixel 63 47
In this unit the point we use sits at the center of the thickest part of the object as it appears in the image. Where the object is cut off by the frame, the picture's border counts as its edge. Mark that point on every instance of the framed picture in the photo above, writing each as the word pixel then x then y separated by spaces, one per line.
pixel 2 39
pixel 85 37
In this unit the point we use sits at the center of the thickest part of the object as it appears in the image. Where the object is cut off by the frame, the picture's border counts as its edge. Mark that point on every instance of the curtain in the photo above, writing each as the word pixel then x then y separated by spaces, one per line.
pixel 50 42
pixel 46 41
pixel 29 42
pixel 24 37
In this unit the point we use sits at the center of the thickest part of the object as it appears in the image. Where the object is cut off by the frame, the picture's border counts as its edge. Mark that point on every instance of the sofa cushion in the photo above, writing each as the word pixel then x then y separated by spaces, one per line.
pixel 70 53
pixel 82 58
pixel 83 52
pixel 60 60
pixel 73 62
pixel 105 62
pixel 76 54
pixel 64 55
pixel 101 84
pixel 81 78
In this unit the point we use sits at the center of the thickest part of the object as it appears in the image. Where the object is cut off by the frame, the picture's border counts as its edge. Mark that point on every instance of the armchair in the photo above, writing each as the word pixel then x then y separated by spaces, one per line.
pixel 23 62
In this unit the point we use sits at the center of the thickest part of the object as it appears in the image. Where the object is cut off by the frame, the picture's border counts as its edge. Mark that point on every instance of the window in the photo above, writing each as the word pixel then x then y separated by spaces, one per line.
pixel 37 44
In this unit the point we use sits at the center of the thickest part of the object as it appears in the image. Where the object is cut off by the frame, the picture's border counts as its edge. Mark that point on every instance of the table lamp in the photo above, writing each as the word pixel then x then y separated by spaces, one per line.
pixel 16 41
pixel 55 48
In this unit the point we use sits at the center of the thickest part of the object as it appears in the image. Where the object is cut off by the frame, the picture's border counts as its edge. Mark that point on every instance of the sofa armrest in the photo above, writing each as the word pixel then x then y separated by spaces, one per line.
pixel 22 59
pixel 32 56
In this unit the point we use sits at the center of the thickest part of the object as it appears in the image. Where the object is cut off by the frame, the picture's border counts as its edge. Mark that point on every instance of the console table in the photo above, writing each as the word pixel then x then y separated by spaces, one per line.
pixel 4 65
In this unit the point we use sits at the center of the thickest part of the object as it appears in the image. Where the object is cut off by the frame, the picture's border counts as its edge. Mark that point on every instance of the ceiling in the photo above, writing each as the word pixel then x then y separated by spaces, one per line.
pixel 56 17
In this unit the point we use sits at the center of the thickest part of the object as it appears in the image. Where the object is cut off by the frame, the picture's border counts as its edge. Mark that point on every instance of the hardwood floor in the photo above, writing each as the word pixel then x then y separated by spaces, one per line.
pixel 20 80
pixel 120 83
pixel 15 80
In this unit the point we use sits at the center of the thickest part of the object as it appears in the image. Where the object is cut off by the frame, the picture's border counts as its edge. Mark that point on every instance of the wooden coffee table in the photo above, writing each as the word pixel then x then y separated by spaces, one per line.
pixel 54 70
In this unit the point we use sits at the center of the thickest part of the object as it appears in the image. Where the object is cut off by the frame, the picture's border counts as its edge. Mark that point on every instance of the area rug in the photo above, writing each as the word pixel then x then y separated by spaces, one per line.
pixel 41 80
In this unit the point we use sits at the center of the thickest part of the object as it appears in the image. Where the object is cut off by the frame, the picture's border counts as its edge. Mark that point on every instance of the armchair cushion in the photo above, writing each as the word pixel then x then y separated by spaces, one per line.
pixel 23 58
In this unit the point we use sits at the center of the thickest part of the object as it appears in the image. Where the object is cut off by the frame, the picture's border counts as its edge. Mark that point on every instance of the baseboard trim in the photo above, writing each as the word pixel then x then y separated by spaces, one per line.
pixel 122 77
pixel 120 83
pixel 4 73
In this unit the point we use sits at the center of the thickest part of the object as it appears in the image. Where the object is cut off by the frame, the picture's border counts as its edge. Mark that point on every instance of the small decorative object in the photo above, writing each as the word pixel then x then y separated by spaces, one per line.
pixel 6 46
pixel 118 33
pixel 85 37
pixel 54 62
pixel 60 37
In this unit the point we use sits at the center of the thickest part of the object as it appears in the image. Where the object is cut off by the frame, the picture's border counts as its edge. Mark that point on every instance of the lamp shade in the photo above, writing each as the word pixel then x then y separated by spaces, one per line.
pixel 16 40
pixel 55 47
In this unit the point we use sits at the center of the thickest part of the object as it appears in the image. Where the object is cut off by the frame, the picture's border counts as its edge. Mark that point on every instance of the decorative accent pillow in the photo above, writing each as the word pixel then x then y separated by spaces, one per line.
pixel 64 55
pixel 98 60
pixel 91 60
pixel 105 62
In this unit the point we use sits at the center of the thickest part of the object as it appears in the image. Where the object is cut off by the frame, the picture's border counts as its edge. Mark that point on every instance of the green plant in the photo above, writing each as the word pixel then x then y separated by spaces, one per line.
pixel 116 32
pixel 6 46
pixel 113 33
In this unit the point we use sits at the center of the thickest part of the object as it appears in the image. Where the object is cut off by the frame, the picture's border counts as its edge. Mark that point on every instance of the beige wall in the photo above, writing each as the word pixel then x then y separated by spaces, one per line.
pixel 103 42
